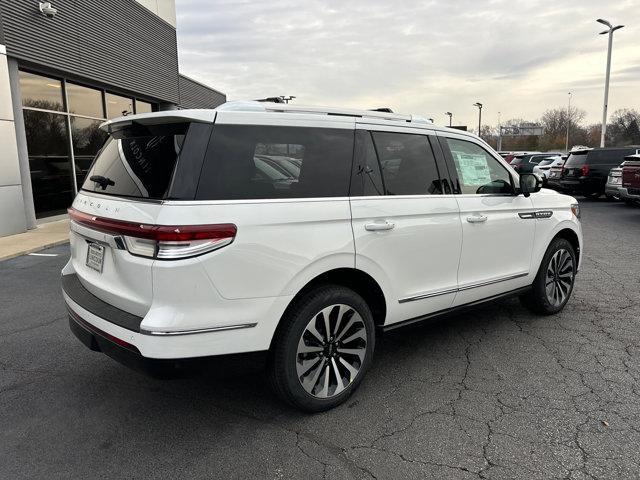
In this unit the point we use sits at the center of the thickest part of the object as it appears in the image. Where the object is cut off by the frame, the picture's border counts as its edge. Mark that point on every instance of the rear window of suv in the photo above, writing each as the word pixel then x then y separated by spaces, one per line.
pixel 247 162
pixel 576 160
pixel 546 161
pixel 139 161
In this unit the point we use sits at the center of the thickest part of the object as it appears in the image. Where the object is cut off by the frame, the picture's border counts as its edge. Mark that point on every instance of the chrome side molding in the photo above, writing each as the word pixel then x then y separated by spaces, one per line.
pixel 200 330
pixel 462 288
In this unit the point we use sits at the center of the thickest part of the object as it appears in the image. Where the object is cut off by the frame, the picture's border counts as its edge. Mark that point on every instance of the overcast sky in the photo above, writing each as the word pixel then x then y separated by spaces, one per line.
pixel 425 57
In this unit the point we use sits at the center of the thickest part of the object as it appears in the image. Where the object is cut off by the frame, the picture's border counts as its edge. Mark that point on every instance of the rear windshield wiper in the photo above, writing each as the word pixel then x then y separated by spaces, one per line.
pixel 104 182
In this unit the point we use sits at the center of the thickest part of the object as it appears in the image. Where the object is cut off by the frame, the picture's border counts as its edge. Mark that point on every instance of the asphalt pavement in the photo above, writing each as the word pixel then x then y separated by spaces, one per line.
pixel 495 393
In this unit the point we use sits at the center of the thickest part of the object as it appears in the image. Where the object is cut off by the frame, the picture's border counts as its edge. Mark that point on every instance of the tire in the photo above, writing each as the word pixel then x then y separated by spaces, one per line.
pixel 614 198
pixel 302 370
pixel 547 301
pixel 593 195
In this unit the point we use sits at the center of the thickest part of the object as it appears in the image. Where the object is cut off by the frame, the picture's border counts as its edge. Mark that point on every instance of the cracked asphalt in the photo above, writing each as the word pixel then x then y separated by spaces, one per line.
pixel 497 393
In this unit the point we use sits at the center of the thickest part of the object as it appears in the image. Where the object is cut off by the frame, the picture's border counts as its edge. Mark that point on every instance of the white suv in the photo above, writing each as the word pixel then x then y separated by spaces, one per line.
pixel 301 232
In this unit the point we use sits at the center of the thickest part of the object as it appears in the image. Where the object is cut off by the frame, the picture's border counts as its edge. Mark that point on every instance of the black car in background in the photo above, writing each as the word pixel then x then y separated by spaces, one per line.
pixel 525 163
pixel 585 172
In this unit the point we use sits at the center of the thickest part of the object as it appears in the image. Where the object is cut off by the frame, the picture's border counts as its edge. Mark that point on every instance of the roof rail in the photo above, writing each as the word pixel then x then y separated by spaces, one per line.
pixel 381 114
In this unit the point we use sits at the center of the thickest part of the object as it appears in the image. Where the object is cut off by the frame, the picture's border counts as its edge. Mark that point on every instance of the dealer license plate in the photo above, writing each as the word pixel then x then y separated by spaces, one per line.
pixel 95 256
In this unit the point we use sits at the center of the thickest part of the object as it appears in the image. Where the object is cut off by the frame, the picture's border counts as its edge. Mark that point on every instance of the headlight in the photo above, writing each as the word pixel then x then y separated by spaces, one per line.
pixel 575 209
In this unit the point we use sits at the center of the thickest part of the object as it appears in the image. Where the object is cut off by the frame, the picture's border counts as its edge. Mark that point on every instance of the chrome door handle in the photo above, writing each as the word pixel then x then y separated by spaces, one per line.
pixel 378 227
pixel 477 219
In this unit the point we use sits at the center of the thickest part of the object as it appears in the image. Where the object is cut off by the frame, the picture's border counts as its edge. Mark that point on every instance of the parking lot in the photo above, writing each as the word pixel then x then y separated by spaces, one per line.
pixel 495 393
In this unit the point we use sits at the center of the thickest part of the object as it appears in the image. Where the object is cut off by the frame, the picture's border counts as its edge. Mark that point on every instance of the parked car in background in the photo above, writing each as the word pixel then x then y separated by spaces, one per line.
pixel 544 167
pixel 630 188
pixel 553 180
pixel 586 172
pixel 525 163
pixel 614 182
pixel 509 156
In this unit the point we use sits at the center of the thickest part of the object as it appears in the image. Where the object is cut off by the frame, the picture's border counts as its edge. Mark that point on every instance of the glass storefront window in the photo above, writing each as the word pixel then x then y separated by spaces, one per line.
pixel 118 106
pixel 87 140
pixel 48 136
pixel 49 161
pixel 41 92
pixel 143 107
pixel 84 101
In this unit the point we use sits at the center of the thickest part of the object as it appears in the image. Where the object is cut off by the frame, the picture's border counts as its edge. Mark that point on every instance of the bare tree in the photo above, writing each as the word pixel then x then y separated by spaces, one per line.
pixel 623 128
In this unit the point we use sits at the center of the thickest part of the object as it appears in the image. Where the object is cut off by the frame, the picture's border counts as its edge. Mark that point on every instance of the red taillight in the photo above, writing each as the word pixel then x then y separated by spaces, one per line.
pixel 161 241
pixel 585 170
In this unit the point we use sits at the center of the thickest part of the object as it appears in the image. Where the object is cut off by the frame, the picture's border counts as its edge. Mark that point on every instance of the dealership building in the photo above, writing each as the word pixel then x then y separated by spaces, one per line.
pixel 65 67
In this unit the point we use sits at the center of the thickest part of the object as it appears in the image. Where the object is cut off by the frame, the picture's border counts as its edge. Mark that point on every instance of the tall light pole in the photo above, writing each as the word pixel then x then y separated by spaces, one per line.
pixel 606 81
pixel 499 143
pixel 566 147
pixel 450 116
pixel 479 105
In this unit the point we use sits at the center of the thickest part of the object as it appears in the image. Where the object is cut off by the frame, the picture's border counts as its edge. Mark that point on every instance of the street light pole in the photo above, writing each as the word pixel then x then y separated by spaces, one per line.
pixel 606 80
pixel 450 116
pixel 479 105
pixel 499 144
pixel 566 147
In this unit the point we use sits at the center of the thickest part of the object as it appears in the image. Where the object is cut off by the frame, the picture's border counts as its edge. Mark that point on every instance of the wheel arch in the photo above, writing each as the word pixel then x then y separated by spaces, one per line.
pixel 572 237
pixel 357 280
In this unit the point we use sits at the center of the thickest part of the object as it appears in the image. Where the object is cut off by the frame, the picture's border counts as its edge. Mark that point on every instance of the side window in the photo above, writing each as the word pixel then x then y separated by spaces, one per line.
pixel 478 171
pixel 407 163
pixel 366 178
pixel 255 162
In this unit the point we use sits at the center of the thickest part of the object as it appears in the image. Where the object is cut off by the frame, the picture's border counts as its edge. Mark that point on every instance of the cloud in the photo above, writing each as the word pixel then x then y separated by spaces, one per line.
pixel 425 57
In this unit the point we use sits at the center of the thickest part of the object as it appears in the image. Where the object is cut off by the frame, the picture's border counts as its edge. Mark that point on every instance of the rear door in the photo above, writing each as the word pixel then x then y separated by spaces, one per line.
pixel 405 220
pixel 135 171
pixel 497 240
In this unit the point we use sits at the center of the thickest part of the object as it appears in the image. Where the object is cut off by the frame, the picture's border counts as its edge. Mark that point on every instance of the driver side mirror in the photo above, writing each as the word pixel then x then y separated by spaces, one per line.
pixel 530 183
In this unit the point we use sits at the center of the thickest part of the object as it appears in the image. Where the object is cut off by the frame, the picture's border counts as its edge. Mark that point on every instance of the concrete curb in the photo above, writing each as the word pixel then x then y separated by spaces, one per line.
pixel 27 251
pixel 46 235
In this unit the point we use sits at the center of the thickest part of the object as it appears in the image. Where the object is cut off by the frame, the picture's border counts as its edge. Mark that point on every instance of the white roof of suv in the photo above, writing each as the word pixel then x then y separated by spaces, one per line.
pixel 208 115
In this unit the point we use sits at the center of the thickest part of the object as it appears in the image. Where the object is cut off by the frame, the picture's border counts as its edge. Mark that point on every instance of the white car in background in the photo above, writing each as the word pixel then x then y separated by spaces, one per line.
pixel 545 166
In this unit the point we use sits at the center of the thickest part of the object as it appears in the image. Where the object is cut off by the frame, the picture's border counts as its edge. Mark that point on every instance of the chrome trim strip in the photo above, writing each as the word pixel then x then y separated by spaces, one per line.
pixel 462 288
pixel 428 295
pixel 200 330
pixel 491 282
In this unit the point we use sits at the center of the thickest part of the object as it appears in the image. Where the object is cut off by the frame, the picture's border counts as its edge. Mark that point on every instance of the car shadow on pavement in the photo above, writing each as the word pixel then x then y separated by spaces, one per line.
pixel 238 384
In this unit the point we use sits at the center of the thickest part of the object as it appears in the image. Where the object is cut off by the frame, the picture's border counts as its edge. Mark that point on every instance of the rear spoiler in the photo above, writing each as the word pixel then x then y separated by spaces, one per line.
pixel 143 120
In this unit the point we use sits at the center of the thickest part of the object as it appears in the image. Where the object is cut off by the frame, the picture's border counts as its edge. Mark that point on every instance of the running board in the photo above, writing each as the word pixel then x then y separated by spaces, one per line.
pixel 448 311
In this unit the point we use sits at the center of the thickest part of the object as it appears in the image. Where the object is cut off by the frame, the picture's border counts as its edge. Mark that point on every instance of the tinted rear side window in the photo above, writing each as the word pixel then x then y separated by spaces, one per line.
pixel 608 157
pixel 257 162
pixel 407 163
pixel 366 178
pixel 138 163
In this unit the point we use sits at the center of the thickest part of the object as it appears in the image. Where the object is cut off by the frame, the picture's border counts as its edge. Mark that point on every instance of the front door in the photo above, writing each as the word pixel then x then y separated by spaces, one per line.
pixel 497 240
pixel 406 226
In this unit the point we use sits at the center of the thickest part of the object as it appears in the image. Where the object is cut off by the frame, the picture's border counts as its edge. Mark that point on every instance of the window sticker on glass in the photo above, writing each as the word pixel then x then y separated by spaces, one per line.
pixel 473 169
